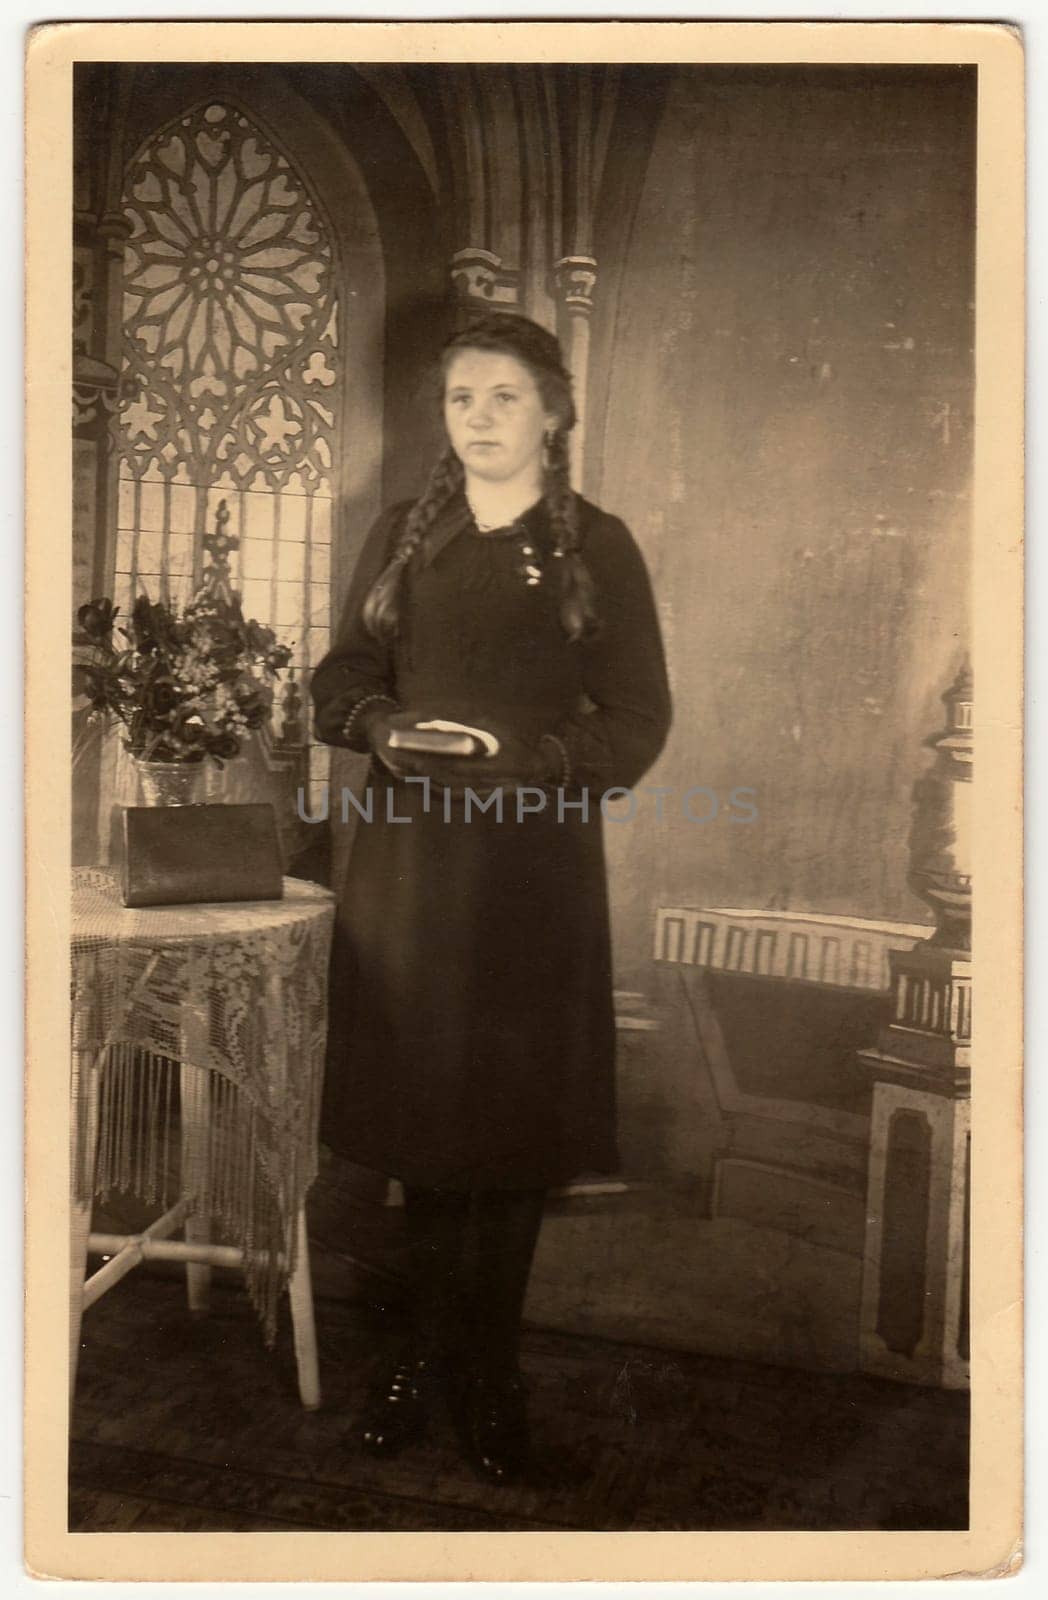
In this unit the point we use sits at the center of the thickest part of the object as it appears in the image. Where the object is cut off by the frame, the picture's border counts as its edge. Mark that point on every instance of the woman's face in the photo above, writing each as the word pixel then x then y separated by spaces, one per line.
pixel 495 416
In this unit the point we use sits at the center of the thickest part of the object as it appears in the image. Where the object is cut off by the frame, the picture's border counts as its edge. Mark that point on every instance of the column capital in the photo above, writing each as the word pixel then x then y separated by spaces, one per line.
pixel 575 278
pixel 89 373
pixel 480 277
pixel 113 225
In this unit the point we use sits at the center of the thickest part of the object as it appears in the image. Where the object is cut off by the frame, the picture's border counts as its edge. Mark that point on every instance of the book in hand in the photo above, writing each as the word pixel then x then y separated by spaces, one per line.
pixel 442 738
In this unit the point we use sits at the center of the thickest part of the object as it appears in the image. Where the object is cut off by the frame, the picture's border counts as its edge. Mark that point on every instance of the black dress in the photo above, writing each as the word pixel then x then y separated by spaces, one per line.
pixel 472 1034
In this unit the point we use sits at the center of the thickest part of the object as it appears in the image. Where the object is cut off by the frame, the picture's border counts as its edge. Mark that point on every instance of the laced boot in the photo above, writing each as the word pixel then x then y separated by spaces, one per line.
pixel 494 1424
pixel 398 1411
pixel 400 1408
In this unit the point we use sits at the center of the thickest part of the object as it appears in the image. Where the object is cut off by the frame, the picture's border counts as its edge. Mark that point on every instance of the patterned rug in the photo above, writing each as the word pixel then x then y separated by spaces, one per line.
pixel 187 1424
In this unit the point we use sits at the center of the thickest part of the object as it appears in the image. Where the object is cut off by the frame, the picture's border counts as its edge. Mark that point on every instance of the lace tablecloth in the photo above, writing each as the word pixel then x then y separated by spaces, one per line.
pixel 239 991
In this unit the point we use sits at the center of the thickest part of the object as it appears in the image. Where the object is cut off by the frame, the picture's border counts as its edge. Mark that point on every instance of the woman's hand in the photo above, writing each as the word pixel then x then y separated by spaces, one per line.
pixel 514 765
pixel 378 725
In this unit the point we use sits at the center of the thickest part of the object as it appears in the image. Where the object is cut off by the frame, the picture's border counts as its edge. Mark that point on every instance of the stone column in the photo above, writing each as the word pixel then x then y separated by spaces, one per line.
pixel 916 1281
pixel 99 232
pixel 576 279
pixel 97 269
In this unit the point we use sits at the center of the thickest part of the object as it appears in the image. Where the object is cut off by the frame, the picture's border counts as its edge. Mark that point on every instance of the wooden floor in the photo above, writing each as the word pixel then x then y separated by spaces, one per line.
pixel 193 1425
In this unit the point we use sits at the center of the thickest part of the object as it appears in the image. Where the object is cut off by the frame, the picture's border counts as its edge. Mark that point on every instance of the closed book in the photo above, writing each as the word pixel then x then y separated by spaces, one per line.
pixel 434 742
pixel 441 737
pixel 196 855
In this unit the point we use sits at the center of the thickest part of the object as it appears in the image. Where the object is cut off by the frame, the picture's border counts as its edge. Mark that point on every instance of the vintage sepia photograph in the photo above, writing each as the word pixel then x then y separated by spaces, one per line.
pixel 524 693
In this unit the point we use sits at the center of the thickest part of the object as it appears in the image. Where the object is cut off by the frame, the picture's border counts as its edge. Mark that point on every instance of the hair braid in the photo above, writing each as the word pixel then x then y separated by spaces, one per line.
pixel 382 606
pixel 578 604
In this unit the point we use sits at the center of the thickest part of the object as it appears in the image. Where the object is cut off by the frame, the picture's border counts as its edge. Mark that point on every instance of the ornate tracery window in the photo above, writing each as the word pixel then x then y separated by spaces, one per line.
pixel 231 376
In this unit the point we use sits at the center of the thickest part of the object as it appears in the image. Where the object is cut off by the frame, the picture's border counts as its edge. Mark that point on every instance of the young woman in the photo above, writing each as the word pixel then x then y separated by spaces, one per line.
pixel 472 1026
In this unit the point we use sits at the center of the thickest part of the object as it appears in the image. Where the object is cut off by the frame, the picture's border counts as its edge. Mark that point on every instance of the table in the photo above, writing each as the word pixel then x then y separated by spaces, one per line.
pixel 198 1039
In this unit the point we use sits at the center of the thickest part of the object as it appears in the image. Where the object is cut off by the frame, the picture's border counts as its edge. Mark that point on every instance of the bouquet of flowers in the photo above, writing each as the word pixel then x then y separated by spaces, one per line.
pixel 186 685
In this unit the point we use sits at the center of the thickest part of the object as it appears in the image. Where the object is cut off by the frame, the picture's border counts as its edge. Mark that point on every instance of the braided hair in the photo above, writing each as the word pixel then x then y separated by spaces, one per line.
pixel 540 352
pixel 382 604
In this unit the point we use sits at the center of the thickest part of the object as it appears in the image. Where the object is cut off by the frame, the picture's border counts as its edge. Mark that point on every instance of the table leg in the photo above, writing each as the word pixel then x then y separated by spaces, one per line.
pixel 196 1178
pixel 80 1215
pixel 300 1291
pixel 80 1227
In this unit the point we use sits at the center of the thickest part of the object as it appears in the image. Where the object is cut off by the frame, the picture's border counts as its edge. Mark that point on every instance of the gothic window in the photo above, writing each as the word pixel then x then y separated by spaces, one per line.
pixel 231 374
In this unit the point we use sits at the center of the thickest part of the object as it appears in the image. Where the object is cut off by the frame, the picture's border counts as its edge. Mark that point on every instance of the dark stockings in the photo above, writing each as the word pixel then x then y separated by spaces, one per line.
pixel 505 1230
pixel 471 1254
pixel 436 1222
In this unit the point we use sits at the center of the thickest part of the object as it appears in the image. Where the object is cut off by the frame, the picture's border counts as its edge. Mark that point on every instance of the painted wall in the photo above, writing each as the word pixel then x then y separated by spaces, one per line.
pixel 780 407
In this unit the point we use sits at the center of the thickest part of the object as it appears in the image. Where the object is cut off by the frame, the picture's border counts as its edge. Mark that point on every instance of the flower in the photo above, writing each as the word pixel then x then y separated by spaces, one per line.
pixel 160 696
pixel 92 683
pixel 259 639
pixel 254 705
pixel 188 725
pixel 96 619
pixel 143 627
pixel 225 747
pixel 262 642
pixel 226 642
pixel 190 684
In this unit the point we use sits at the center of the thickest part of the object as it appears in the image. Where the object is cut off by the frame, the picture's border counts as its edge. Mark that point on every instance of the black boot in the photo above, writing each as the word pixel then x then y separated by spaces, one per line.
pixel 493 1399
pixel 399 1411
pixel 495 1426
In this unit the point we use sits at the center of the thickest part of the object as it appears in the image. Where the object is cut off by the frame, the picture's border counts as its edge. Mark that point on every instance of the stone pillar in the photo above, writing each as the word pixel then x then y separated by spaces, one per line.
pixel 576 279
pixel 99 231
pixel 97 269
pixel 916 1281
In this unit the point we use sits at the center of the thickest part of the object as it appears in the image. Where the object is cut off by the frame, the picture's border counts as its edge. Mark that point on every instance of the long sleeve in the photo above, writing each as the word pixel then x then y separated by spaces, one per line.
pixel 358 665
pixel 614 741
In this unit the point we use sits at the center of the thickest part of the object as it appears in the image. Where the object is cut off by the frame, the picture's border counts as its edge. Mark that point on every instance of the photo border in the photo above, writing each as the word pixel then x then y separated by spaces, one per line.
pixel 991 1546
